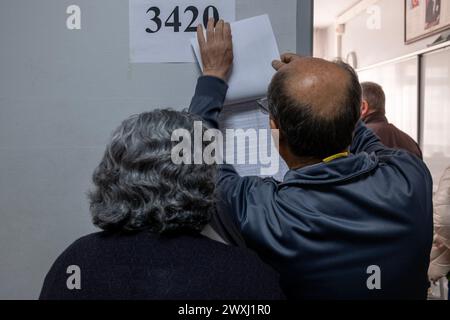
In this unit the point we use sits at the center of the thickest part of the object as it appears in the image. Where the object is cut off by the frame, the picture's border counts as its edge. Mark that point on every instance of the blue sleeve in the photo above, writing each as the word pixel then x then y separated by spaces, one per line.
pixel 365 140
pixel 237 192
pixel 234 190
pixel 208 99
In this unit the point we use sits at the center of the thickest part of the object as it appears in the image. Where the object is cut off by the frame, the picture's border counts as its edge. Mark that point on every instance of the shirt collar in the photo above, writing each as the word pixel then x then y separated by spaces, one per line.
pixel 376 117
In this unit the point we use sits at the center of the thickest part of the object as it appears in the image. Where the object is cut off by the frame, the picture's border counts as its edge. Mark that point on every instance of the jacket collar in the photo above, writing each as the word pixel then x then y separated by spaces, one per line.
pixel 375 117
pixel 329 173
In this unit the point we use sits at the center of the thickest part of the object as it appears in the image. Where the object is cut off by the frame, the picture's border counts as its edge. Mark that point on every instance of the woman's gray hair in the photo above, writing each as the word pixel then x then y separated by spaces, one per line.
pixel 137 185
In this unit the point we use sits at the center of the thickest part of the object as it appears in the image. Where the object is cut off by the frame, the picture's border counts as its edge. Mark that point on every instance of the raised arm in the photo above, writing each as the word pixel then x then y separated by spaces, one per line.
pixel 208 99
pixel 217 58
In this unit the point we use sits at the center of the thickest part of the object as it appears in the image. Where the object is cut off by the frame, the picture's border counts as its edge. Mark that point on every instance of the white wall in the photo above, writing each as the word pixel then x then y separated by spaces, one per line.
pixel 400 78
pixel 61 94
pixel 325 43
pixel 436 111
pixel 372 46
pixel 400 84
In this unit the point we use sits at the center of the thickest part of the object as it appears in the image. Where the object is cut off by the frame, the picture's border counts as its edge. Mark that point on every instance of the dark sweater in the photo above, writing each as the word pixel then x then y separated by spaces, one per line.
pixel 390 135
pixel 143 266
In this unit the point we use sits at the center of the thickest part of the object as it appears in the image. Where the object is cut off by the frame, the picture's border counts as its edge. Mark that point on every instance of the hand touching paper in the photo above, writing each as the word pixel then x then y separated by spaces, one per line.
pixel 216 50
pixel 254 49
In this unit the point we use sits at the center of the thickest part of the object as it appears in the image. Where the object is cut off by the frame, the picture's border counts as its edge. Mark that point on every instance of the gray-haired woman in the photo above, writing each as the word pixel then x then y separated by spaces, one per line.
pixel 152 212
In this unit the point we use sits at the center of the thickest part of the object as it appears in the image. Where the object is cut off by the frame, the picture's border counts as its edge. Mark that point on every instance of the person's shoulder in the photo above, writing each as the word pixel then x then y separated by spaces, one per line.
pixel 376 126
pixel 74 256
pixel 245 267
pixel 245 258
pixel 403 140
pixel 403 135
pixel 406 162
pixel 89 239
pixel 400 156
pixel 84 245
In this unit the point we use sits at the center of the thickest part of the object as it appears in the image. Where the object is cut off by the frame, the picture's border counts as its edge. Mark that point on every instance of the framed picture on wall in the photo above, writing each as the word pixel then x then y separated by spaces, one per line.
pixel 424 18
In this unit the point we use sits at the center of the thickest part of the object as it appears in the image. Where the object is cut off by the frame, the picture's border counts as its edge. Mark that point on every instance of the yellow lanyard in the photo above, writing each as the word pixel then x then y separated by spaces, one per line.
pixel 336 156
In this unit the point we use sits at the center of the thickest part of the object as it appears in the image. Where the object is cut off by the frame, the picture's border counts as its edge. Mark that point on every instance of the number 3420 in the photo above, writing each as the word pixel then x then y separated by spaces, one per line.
pixel 173 21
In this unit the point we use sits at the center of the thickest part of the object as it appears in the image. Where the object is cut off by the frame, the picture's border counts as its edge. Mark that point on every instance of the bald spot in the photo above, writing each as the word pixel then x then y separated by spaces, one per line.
pixel 321 84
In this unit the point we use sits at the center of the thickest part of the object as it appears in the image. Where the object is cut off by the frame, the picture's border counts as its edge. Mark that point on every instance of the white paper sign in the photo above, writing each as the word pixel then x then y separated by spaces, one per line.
pixel 161 30
pixel 246 116
pixel 254 49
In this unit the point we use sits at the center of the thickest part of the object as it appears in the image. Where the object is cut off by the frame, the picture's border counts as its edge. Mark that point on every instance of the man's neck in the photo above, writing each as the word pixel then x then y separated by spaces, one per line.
pixel 296 163
pixel 375 116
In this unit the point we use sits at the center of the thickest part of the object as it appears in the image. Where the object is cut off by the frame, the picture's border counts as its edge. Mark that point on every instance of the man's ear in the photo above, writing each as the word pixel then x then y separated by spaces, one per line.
pixel 276 134
pixel 364 109
pixel 273 125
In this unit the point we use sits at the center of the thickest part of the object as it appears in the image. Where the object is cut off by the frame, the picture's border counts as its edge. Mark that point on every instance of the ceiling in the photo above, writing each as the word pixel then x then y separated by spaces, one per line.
pixel 326 11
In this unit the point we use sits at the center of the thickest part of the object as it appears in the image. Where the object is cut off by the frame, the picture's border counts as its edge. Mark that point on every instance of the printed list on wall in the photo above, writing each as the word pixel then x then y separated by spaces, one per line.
pixel 161 30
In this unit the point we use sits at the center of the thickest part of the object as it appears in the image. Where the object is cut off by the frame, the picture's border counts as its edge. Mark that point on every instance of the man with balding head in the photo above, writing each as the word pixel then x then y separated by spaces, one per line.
pixel 305 114
pixel 351 219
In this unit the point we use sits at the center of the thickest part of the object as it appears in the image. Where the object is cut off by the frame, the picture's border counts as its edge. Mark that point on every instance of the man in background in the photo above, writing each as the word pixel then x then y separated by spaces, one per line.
pixel 373 113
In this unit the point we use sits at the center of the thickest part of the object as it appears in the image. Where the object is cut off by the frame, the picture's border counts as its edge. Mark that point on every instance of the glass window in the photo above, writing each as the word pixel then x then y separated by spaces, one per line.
pixel 436 111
